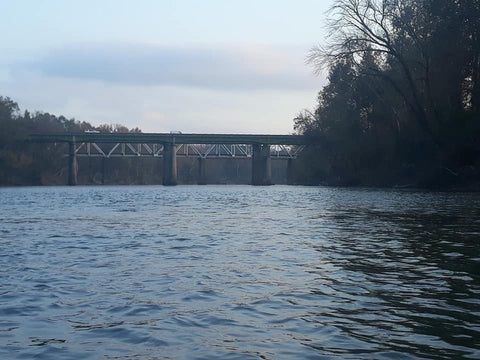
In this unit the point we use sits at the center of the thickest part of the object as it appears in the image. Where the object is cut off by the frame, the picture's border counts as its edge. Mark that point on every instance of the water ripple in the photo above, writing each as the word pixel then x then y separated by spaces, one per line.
pixel 238 272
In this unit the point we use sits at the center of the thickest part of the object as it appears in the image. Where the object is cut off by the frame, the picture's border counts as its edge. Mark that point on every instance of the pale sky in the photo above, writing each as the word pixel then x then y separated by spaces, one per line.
pixel 210 66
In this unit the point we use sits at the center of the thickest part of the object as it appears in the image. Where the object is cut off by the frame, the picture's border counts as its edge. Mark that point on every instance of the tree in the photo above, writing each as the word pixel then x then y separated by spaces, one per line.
pixel 8 108
pixel 400 35
pixel 404 88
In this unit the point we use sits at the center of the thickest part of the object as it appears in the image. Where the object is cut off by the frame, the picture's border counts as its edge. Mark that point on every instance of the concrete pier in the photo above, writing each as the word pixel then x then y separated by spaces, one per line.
pixel 104 169
pixel 169 164
pixel 72 164
pixel 202 174
pixel 290 172
pixel 261 165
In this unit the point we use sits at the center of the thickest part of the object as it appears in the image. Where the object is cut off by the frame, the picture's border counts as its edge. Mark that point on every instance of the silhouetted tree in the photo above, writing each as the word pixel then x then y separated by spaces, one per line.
pixel 402 100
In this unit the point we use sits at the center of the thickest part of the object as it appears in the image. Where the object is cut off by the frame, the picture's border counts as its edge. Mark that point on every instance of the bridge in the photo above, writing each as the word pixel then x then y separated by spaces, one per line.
pixel 260 148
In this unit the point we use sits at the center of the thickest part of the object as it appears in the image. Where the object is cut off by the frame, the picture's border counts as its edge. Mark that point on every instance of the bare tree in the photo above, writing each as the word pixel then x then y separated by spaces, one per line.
pixel 379 27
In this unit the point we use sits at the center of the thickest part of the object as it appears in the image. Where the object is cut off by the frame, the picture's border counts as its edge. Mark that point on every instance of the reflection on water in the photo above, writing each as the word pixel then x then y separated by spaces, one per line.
pixel 238 272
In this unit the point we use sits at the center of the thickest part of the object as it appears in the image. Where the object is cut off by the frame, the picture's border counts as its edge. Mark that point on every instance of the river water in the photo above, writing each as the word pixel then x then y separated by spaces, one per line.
pixel 238 272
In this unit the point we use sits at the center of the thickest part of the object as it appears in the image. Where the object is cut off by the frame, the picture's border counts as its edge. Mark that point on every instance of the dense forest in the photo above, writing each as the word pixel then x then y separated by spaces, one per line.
pixel 402 102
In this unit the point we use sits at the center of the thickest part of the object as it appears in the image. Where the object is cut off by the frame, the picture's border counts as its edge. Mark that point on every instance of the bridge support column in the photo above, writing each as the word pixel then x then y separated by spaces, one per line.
pixel 261 165
pixel 169 164
pixel 72 164
pixel 202 174
pixel 290 172
pixel 104 169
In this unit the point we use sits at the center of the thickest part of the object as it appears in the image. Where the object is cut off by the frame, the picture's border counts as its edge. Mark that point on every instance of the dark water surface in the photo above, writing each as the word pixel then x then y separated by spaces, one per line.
pixel 238 272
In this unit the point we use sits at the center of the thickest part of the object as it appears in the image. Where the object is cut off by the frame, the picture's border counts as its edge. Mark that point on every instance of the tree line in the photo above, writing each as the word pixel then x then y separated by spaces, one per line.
pixel 24 163
pixel 402 102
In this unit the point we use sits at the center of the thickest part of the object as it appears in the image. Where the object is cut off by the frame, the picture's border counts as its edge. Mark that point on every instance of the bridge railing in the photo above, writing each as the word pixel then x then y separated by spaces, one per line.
pixel 162 138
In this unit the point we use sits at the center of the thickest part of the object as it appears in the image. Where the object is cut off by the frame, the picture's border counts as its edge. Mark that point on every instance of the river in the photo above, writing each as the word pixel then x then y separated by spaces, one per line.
pixel 238 272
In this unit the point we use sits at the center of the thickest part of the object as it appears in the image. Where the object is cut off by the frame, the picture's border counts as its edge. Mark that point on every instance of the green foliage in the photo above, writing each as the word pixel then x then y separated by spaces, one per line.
pixel 402 103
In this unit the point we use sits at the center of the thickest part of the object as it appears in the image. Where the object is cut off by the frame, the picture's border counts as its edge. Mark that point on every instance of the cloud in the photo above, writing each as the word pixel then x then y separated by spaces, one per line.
pixel 160 108
pixel 245 89
pixel 209 67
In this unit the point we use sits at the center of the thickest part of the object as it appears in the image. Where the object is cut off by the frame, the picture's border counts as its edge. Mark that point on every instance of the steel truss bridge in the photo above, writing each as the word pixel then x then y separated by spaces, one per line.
pixel 260 148
pixel 87 149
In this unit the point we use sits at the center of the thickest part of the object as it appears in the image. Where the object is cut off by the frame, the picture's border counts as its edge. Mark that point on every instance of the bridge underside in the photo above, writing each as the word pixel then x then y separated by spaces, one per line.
pixel 259 148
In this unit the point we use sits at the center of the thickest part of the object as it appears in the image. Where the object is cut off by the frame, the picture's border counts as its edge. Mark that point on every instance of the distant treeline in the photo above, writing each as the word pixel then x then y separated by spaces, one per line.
pixel 23 163
pixel 402 104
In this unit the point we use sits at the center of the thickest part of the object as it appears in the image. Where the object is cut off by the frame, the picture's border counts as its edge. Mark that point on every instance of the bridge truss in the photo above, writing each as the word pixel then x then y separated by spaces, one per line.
pixel 109 150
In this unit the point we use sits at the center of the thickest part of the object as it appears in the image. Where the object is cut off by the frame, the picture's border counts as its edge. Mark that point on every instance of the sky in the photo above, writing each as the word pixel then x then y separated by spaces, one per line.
pixel 210 66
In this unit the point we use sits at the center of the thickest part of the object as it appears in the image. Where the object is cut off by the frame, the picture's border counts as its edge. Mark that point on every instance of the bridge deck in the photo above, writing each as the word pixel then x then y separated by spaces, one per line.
pixel 167 138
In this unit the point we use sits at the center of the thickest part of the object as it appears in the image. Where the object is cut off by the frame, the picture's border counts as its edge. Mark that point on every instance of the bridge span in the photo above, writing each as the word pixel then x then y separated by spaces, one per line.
pixel 260 148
